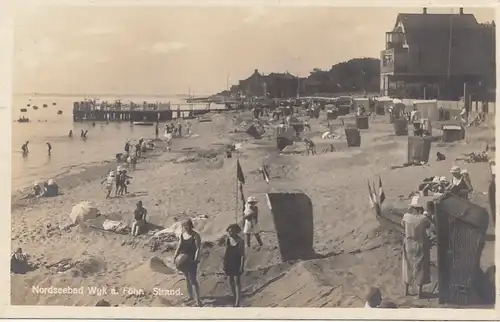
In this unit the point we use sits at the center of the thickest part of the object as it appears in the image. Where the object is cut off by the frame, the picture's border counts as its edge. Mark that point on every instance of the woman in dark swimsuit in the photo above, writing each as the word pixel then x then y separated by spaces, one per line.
pixel 190 244
pixel 234 259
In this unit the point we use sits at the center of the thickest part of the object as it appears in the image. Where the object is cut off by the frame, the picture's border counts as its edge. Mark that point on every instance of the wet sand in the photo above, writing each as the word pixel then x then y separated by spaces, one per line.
pixel 360 253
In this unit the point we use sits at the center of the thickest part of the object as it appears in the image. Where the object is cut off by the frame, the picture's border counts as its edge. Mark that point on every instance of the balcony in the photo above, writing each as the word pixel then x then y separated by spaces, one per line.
pixel 395 40
pixel 394 60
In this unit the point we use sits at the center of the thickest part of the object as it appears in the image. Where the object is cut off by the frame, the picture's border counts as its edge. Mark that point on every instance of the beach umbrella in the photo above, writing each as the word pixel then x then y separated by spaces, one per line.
pixel 83 211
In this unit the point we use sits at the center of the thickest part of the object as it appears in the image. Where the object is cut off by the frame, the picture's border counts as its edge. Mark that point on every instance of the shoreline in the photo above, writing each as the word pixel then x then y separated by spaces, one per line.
pixel 360 253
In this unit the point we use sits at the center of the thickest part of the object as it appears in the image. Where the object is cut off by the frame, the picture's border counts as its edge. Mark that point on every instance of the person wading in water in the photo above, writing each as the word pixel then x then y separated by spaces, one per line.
pixel 234 260
pixel 251 221
pixel 49 148
pixel 25 148
pixel 190 245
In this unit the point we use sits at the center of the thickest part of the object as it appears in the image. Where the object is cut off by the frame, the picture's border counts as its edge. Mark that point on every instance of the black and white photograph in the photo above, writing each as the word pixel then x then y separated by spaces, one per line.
pixel 253 157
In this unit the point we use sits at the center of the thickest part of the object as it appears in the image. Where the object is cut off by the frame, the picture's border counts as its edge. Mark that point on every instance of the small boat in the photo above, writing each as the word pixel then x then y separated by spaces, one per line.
pixel 23 120
pixel 44 105
pixel 24 110
pixel 143 123
pixel 28 105
pixel 35 107
pixel 59 112
pixel 54 103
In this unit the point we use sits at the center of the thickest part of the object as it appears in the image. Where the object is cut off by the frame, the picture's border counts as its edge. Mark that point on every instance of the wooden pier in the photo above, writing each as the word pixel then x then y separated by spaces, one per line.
pixel 132 112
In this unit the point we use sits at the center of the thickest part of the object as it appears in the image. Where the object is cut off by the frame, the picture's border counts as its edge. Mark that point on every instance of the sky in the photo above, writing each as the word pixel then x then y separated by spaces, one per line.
pixel 175 50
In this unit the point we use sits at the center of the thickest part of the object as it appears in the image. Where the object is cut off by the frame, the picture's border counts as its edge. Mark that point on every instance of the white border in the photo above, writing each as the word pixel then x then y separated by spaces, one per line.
pixel 206 313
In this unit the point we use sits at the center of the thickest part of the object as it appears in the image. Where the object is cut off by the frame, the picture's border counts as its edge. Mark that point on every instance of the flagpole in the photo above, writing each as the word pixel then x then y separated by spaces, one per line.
pixel 237 193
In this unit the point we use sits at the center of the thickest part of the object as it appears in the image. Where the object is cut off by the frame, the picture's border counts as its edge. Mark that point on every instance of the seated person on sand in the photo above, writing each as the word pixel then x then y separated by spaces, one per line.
pixel 39 189
pixel 51 189
pixel 373 297
pixel 460 182
pixel 139 219
pixel 19 261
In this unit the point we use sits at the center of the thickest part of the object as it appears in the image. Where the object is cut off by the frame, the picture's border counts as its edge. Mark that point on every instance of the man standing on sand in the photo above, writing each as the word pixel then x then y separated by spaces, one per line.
pixel 416 247
pixel 157 131
pixel 251 226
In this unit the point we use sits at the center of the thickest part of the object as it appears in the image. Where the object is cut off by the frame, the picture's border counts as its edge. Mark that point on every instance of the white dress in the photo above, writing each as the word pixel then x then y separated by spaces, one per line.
pixel 251 225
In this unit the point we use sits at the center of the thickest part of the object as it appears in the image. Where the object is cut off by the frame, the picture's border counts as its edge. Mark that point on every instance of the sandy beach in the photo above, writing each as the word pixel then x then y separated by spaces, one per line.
pixel 358 252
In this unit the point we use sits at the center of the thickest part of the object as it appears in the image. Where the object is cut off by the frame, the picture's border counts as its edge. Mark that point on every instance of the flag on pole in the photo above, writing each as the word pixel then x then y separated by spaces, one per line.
pixel 370 195
pixel 265 173
pixel 239 173
pixel 381 194
pixel 375 195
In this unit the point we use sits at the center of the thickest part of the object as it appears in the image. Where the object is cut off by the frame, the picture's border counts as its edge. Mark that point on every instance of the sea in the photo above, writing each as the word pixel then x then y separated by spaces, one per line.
pixel 68 155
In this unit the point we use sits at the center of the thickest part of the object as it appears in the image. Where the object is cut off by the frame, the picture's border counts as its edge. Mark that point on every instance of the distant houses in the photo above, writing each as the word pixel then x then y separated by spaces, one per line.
pixel 359 74
pixel 438 56
pixel 275 85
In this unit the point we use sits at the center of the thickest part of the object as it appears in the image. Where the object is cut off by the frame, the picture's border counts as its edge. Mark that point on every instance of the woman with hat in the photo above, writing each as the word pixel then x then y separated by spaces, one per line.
pixel 250 215
pixel 234 260
pixel 416 247
pixel 460 182
pixel 187 257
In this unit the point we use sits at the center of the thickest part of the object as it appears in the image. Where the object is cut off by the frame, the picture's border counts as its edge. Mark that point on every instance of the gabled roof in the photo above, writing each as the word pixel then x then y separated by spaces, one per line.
pixel 432 33
pixel 282 75
pixel 418 21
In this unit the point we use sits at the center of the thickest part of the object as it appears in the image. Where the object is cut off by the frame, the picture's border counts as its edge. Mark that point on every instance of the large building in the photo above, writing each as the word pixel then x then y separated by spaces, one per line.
pixel 434 55
pixel 274 85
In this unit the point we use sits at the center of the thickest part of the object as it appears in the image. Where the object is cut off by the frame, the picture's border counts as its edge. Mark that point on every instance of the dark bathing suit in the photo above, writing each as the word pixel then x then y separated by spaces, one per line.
pixel 232 262
pixel 188 247
pixel 139 214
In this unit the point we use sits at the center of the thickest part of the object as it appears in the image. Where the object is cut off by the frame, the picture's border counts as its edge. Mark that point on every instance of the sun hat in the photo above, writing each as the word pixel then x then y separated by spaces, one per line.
pixel 251 199
pixel 415 202
pixel 464 171
pixel 442 179
pixel 455 169
pixel 435 180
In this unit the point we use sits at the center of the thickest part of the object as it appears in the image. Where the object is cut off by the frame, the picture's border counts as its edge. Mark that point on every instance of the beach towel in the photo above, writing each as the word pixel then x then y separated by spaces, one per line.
pixel 83 211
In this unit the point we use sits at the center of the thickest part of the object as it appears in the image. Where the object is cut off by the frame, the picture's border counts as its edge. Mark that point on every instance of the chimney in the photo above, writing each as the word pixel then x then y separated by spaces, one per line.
pixel 425 10
pixel 461 11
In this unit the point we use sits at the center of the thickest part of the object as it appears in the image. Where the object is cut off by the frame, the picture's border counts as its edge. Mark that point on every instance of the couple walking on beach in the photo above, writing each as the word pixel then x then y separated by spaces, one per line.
pixel 187 254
